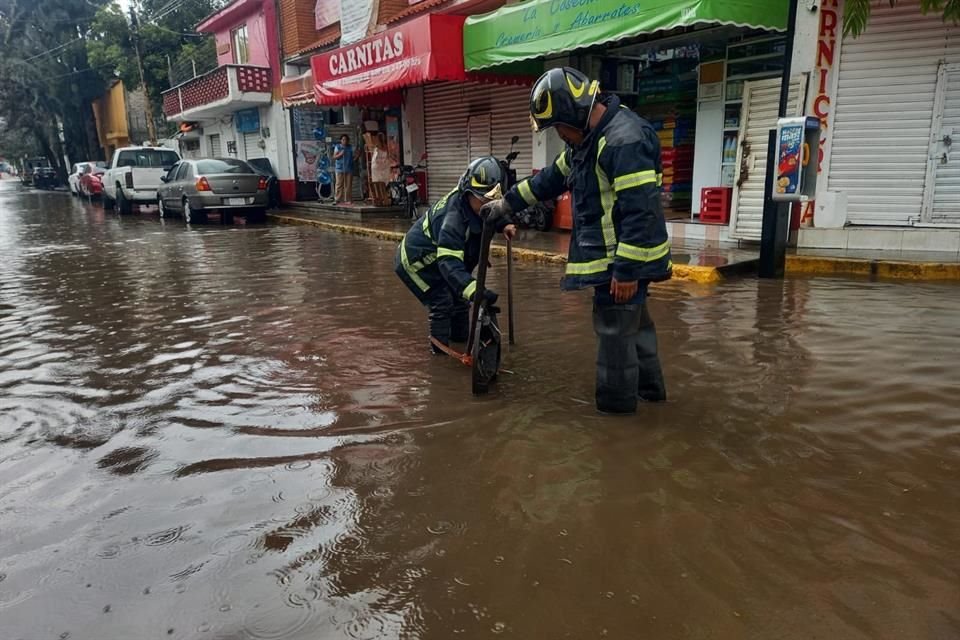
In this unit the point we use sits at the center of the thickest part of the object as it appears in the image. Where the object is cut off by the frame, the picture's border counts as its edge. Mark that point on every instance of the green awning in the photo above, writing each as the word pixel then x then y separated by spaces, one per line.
pixel 539 28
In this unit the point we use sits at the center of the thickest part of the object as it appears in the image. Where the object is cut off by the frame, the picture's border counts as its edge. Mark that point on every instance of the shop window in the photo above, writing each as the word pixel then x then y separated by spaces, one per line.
pixel 241 51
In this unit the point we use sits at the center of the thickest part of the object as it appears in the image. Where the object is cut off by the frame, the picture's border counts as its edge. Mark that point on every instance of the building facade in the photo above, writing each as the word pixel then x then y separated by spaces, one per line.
pixel 234 110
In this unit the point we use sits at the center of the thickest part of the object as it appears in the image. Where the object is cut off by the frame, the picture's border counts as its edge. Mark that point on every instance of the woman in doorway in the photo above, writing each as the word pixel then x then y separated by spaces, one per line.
pixel 343 156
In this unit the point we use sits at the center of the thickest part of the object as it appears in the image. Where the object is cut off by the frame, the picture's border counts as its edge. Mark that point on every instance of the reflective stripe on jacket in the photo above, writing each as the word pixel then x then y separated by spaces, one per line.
pixel 618 224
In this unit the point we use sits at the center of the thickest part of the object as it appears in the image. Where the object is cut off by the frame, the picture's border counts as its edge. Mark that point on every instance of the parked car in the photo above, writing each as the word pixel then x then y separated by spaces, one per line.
pixel 265 169
pixel 44 178
pixel 134 176
pixel 29 165
pixel 91 182
pixel 227 186
pixel 79 168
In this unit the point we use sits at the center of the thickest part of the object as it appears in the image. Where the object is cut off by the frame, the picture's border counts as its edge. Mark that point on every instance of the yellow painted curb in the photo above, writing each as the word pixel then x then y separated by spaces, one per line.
pixel 887 269
pixel 692 273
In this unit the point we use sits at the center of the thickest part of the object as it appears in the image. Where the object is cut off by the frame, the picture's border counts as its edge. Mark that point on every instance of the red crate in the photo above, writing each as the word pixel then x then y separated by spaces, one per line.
pixel 715 204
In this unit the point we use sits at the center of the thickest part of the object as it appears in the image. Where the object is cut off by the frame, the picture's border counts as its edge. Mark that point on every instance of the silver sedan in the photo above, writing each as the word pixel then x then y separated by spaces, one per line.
pixel 226 186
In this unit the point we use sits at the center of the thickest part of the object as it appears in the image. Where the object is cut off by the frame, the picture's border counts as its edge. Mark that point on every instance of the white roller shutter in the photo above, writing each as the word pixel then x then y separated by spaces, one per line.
pixel 464 120
pixel 251 145
pixel 945 148
pixel 216 149
pixel 883 113
pixel 761 104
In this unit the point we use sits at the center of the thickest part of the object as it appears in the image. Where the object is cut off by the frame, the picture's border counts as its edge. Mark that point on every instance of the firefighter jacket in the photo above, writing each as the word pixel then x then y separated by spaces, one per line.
pixel 442 248
pixel 618 224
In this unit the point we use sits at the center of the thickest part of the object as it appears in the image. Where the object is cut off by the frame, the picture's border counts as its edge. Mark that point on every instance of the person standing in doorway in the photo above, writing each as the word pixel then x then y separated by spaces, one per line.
pixel 343 155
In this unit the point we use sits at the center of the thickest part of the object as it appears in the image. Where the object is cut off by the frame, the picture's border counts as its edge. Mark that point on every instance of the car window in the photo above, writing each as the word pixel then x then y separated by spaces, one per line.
pixel 184 171
pixel 148 158
pixel 222 165
pixel 172 173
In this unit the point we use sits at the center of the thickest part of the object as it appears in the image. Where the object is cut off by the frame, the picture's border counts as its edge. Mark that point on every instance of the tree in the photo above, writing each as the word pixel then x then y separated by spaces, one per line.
pixel 167 42
pixel 856 13
pixel 45 79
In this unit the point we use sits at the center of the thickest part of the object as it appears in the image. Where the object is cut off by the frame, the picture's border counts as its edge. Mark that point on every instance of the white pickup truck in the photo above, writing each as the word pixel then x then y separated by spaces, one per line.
pixel 134 176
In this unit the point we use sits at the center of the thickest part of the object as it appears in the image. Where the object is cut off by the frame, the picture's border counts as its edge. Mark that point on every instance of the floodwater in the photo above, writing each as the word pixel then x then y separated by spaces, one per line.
pixel 237 433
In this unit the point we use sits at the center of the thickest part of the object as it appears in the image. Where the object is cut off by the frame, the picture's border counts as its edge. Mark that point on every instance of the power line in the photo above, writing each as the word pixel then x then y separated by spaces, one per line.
pixel 55 49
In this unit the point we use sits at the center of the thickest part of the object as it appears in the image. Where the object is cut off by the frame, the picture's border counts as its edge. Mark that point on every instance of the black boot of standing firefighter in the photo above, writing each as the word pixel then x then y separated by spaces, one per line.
pixel 628 367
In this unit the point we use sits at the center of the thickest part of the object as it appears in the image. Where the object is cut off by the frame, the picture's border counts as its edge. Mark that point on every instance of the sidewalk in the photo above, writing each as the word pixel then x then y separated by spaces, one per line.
pixel 895 265
pixel 692 263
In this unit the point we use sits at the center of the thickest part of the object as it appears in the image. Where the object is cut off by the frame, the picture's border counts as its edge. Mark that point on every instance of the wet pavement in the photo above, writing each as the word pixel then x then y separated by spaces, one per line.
pixel 236 433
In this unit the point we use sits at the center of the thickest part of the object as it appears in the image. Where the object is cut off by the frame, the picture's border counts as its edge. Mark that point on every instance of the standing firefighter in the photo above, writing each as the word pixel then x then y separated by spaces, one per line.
pixel 619 243
pixel 437 257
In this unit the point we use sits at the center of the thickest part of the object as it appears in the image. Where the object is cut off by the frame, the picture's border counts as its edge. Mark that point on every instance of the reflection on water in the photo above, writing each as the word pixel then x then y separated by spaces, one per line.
pixel 237 433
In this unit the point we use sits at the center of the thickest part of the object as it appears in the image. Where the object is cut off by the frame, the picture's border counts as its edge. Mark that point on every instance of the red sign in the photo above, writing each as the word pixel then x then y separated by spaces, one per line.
pixel 426 49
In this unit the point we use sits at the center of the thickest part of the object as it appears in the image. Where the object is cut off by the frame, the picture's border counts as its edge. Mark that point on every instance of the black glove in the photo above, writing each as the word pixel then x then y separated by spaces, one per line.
pixel 489 296
pixel 495 209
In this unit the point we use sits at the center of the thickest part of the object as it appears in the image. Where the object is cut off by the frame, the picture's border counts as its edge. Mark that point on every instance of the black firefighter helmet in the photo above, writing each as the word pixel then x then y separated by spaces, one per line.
pixel 481 177
pixel 563 96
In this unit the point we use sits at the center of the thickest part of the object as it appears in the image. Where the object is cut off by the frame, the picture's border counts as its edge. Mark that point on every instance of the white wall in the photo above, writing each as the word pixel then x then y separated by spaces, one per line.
pixel 413 127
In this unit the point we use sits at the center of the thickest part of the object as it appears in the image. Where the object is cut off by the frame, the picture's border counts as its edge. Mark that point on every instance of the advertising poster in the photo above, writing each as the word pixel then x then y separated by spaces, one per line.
pixel 326 13
pixel 307 153
pixel 355 18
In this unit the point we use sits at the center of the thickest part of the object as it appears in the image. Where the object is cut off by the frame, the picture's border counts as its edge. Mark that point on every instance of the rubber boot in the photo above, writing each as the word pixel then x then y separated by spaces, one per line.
pixel 651 387
pixel 618 368
pixel 460 321
pixel 439 315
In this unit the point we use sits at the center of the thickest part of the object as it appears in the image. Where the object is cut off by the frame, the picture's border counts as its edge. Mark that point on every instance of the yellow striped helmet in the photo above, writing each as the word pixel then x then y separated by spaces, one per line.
pixel 563 96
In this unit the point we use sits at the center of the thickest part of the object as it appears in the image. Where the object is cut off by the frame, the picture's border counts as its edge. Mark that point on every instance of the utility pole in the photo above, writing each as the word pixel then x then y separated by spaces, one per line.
pixel 776 215
pixel 135 28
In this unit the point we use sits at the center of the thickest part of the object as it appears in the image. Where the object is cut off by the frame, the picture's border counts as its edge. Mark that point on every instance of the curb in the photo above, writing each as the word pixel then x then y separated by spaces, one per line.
pixel 875 269
pixel 691 273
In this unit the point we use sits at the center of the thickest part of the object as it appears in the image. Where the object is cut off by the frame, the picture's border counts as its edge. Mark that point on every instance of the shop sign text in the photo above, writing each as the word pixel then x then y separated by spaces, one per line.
pixel 367 54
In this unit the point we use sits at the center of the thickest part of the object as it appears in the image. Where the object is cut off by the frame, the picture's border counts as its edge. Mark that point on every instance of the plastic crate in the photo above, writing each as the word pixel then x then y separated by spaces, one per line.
pixel 715 204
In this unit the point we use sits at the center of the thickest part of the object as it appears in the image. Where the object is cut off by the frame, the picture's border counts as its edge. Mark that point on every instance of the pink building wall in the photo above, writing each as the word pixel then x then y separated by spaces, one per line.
pixel 261 20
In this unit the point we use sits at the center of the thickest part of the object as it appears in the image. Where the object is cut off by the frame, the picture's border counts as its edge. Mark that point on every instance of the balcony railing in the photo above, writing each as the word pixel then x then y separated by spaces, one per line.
pixel 223 90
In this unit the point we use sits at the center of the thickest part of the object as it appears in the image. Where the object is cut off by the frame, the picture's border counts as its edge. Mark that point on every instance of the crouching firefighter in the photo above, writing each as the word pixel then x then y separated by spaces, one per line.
pixel 437 257
pixel 619 242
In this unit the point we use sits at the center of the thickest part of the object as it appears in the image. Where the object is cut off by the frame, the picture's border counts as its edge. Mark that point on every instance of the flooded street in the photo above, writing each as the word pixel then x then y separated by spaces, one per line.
pixel 236 432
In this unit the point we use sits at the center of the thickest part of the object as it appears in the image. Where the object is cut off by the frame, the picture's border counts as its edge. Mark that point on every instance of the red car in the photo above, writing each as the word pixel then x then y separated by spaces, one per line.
pixel 91 184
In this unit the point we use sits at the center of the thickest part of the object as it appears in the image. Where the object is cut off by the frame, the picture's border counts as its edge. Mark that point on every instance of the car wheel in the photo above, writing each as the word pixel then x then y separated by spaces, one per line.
pixel 123 205
pixel 191 215
pixel 108 202
pixel 161 207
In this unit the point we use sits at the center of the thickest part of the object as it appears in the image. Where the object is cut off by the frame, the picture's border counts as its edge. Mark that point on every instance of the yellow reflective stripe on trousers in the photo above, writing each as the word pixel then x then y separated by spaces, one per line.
pixel 607 199
pixel 631 180
pixel 588 268
pixel 659 179
pixel 469 290
pixel 527 193
pixel 443 252
pixel 643 254
pixel 412 269
pixel 562 165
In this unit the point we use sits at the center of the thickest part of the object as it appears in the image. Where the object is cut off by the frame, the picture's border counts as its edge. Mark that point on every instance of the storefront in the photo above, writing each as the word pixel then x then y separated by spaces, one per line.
pixel 412 74
pixel 706 75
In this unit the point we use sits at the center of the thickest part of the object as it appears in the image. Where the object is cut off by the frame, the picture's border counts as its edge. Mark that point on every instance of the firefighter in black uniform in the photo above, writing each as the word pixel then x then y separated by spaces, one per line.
pixel 619 242
pixel 437 257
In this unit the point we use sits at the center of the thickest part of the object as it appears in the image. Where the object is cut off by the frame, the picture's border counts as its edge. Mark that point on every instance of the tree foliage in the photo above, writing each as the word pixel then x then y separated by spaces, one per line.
pixel 856 14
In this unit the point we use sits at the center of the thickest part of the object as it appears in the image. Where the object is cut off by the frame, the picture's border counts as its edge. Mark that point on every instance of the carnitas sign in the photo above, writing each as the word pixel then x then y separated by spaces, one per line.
pixel 423 50
pixel 367 54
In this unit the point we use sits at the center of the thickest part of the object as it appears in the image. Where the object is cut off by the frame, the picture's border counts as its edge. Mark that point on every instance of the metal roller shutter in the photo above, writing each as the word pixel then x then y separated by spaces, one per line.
pixel 883 113
pixel 761 104
pixel 216 149
pixel 945 149
pixel 464 120
pixel 251 145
